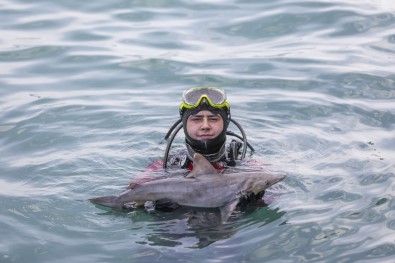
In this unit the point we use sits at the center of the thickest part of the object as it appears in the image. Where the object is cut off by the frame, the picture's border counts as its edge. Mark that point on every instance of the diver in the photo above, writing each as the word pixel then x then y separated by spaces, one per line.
pixel 204 117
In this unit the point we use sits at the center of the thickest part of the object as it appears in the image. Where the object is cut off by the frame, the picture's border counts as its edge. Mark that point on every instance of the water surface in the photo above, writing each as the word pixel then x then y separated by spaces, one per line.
pixel 88 90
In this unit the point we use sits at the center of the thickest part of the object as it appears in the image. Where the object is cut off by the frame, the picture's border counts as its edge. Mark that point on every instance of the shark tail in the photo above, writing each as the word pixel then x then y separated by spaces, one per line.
pixel 110 201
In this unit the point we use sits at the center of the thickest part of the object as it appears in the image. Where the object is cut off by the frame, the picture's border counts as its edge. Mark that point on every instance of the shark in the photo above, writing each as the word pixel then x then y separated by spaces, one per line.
pixel 203 187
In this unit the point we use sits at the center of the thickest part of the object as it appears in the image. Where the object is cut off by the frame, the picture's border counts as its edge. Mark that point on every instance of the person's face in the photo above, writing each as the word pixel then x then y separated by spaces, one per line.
pixel 204 125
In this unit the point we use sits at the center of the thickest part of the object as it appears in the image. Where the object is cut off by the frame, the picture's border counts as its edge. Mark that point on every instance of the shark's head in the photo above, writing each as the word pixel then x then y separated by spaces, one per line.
pixel 261 181
pixel 254 181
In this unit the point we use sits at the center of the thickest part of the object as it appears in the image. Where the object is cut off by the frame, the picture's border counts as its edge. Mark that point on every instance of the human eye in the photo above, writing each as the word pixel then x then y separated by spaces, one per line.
pixel 214 118
pixel 196 118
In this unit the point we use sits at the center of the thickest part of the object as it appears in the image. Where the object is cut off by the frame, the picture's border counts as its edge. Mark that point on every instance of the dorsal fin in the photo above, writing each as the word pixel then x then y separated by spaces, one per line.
pixel 201 167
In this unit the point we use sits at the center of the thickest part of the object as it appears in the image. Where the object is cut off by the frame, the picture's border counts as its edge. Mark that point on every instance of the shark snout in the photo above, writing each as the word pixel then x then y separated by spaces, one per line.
pixel 275 178
pixel 279 177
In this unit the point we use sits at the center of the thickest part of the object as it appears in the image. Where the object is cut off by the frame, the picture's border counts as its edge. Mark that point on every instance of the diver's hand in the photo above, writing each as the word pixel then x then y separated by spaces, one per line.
pixel 166 205
pixel 132 205
pixel 251 199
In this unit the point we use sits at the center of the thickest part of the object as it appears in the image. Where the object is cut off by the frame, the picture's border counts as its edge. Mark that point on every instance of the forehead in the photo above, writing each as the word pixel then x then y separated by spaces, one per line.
pixel 205 113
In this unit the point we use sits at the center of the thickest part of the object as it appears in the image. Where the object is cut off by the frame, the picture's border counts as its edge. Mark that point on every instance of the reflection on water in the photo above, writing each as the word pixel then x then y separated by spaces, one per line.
pixel 192 227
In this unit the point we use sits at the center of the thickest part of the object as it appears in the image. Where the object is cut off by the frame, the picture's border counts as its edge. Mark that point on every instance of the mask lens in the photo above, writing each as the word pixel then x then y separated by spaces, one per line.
pixel 216 96
pixel 193 96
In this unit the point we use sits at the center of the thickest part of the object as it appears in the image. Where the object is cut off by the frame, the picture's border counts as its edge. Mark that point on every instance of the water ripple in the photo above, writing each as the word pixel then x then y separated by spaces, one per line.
pixel 88 91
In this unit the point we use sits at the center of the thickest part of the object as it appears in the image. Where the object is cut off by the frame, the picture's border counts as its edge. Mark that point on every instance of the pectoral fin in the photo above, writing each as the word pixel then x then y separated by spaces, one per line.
pixel 227 210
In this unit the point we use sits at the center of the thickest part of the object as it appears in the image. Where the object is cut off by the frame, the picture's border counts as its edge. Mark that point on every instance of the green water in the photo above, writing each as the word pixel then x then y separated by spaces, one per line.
pixel 88 90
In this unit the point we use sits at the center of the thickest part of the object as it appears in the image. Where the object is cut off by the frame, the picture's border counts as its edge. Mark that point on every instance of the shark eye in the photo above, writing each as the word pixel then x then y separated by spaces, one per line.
pixel 267 183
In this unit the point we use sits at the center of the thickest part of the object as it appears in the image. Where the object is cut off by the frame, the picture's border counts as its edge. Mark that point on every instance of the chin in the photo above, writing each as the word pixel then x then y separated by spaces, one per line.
pixel 205 138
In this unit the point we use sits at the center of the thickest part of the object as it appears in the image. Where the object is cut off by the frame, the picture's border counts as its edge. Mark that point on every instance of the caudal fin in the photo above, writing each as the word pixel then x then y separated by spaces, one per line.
pixel 110 201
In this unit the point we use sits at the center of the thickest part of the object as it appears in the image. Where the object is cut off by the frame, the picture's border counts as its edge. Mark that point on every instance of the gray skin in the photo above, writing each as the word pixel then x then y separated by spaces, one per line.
pixel 202 187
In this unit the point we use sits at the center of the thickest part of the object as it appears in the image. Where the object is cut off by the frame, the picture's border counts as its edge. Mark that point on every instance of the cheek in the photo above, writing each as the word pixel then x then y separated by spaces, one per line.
pixel 218 128
pixel 191 130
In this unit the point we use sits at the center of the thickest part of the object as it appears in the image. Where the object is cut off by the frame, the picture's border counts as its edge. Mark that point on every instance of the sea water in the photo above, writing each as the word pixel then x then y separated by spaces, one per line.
pixel 89 89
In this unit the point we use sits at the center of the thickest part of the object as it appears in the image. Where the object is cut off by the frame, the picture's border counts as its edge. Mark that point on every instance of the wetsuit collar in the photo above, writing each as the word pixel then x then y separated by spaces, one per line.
pixel 213 157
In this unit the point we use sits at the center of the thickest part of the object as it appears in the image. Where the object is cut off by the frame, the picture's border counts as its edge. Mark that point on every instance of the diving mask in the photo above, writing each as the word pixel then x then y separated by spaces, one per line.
pixel 214 97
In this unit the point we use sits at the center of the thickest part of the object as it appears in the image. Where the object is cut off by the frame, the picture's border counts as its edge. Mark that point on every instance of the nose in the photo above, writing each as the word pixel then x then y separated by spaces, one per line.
pixel 205 123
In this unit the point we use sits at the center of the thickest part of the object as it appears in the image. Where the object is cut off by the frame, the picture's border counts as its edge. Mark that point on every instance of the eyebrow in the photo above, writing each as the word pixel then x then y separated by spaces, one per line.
pixel 206 115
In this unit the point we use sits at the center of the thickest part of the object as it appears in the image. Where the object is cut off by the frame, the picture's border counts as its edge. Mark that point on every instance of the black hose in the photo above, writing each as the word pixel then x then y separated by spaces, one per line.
pixel 174 130
pixel 176 127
